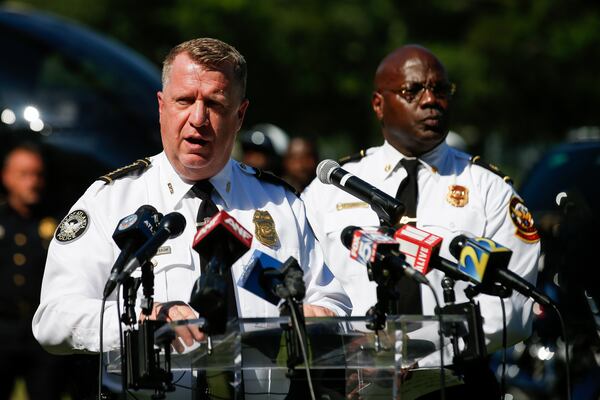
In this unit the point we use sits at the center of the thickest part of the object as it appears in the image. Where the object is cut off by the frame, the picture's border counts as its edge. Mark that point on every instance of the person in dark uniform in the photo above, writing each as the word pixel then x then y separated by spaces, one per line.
pixel 25 232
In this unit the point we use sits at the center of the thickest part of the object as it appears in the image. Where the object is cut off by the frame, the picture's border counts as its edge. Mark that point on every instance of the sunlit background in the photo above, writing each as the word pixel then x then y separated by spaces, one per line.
pixel 527 74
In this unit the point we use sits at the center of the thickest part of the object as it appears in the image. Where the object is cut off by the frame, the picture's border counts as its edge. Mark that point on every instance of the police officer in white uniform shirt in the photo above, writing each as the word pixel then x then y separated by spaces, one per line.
pixel 202 106
pixel 456 193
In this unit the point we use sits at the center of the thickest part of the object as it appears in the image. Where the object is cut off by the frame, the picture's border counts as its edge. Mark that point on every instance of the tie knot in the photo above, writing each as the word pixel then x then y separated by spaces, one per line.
pixel 203 189
pixel 410 165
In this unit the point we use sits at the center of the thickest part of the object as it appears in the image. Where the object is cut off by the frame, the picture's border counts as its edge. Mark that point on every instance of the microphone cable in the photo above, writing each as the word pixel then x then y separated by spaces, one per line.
pixel 567 361
pixel 302 348
pixel 504 345
pixel 100 363
pixel 441 336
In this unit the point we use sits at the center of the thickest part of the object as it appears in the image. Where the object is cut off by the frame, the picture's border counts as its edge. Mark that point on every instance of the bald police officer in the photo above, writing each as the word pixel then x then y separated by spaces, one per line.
pixel 456 193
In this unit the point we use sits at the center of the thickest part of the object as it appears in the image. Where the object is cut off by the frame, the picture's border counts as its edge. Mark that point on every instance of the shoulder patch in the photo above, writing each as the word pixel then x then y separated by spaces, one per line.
pixel 523 221
pixel 274 179
pixel 138 165
pixel 476 160
pixel 72 226
pixel 352 157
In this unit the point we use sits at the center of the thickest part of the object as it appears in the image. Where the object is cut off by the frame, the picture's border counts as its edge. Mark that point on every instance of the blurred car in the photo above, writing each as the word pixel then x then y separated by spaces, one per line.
pixel 87 100
pixel 563 193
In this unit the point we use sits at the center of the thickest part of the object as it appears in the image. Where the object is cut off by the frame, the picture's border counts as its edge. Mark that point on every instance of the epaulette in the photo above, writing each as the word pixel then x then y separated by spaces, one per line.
pixel 270 177
pixel 492 168
pixel 138 165
pixel 352 157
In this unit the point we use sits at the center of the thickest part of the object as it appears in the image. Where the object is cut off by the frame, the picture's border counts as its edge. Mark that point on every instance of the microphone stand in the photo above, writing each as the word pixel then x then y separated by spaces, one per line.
pixel 475 349
pixel 376 315
pixel 142 356
pixel 293 332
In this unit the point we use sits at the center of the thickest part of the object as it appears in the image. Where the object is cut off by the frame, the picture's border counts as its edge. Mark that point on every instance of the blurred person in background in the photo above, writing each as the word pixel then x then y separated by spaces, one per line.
pixel 300 163
pixel 25 232
pixel 259 152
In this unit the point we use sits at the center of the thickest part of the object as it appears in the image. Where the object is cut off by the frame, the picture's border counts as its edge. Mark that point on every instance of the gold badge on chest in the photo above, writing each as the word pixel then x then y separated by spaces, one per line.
pixel 264 228
pixel 458 196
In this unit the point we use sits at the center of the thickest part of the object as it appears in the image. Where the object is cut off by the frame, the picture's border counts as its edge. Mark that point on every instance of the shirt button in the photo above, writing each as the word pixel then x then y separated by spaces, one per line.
pixel 18 279
pixel 19 259
pixel 20 239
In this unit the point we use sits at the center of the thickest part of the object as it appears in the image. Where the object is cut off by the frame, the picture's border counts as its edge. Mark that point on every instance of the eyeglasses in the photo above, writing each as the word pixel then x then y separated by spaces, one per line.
pixel 414 91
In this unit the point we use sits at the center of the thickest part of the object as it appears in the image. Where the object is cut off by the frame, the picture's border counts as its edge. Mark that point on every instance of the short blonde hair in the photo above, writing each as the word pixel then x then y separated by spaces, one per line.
pixel 211 53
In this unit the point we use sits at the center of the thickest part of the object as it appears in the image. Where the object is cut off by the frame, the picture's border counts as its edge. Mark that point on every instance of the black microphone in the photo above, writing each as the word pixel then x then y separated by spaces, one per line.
pixel 131 233
pixel 378 249
pixel 171 225
pixel 388 208
pixel 488 260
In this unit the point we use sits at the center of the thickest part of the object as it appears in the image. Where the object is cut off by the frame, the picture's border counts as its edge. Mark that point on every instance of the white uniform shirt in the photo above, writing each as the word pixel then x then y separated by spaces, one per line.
pixel 485 214
pixel 76 271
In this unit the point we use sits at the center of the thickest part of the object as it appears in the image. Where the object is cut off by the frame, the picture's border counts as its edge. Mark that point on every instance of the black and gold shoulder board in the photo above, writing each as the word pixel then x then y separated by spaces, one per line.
pixel 352 157
pixel 138 165
pixel 492 168
pixel 274 179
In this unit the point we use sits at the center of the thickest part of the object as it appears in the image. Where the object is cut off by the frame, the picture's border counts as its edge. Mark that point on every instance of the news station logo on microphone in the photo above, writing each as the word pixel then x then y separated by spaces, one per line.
pixel 228 222
pixel 478 253
pixel 418 246
pixel 366 243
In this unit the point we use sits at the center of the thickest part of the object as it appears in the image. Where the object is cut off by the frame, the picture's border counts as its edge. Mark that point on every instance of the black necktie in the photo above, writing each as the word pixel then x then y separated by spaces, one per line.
pixel 409 301
pixel 203 190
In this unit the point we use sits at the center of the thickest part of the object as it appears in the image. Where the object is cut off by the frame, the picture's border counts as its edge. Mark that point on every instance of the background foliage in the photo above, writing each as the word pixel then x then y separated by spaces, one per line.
pixel 527 71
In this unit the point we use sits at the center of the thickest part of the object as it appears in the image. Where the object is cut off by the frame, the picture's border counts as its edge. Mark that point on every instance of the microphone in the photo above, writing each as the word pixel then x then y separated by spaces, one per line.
pixel 488 261
pixel 131 233
pixel 170 226
pixel 373 248
pixel 224 237
pixel 422 249
pixel 388 208
pixel 272 280
pixel 220 242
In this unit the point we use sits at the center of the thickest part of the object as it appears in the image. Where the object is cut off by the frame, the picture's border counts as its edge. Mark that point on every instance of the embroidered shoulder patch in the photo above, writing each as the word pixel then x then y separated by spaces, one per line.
pixel 523 221
pixel 72 226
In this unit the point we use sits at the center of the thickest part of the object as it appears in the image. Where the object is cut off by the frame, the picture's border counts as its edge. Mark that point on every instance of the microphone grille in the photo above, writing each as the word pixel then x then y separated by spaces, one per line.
pixel 456 245
pixel 324 170
pixel 174 223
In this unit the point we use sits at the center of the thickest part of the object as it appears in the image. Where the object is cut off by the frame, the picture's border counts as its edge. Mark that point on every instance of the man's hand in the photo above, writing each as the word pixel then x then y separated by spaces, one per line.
pixel 177 311
pixel 311 310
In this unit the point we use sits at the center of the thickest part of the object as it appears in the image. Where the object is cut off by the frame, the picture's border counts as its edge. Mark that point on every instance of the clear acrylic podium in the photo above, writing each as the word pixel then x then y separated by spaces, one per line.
pixel 249 361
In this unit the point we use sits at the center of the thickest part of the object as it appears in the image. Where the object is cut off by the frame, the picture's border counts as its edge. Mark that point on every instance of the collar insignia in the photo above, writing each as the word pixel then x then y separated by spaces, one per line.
pixel 458 196
pixel 264 229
